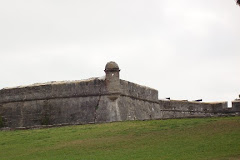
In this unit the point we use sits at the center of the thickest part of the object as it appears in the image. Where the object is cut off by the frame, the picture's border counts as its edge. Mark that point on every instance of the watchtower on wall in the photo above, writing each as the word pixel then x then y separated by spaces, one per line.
pixel 112 80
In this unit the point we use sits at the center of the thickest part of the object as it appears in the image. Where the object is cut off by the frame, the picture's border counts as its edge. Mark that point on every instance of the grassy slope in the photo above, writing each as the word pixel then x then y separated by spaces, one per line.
pixel 209 138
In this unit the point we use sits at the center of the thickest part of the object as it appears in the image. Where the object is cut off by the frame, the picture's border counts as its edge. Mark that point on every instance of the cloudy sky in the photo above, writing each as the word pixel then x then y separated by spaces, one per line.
pixel 186 49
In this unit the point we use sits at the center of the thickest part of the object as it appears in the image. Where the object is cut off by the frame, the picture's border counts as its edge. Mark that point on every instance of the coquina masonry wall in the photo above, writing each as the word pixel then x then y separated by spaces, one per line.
pixel 96 101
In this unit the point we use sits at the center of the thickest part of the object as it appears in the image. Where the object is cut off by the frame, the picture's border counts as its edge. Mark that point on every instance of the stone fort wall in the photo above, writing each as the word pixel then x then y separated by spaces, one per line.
pixel 96 100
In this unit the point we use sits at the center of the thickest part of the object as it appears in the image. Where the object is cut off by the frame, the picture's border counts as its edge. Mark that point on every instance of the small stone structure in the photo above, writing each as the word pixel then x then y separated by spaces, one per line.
pixel 96 100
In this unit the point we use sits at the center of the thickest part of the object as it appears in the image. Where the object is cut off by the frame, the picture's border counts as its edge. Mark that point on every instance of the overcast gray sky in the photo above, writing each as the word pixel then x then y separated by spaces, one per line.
pixel 186 49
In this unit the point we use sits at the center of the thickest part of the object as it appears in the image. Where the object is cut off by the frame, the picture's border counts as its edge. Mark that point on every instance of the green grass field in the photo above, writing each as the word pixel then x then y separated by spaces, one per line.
pixel 181 139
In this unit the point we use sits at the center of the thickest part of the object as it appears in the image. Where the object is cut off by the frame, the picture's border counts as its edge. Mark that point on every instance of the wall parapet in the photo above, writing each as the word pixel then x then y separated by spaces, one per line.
pixel 53 90
pixel 138 91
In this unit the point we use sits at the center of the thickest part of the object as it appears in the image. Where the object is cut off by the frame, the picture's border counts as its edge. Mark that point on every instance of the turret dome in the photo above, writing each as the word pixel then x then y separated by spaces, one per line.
pixel 112 66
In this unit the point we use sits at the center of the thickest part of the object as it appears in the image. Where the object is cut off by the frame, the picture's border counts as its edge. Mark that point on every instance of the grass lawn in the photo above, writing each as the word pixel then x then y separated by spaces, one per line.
pixel 181 139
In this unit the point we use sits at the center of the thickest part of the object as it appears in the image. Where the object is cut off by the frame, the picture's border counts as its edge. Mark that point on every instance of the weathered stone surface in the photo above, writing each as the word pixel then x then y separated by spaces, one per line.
pixel 137 91
pixel 49 112
pixel 236 106
pixel 135 109
pixel 112 80
pixel 91 87
pixel 96 100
